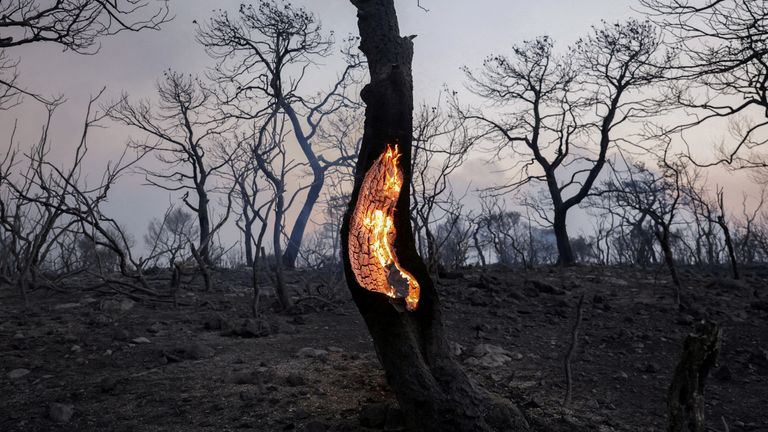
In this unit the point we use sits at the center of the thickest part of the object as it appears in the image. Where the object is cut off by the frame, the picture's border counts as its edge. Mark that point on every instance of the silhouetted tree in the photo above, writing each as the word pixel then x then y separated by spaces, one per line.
pixel 43 200
pixel 185 137
pixel 721 73
pixel 267 147
pixel 168 236
pixel 562 112
pixel 441 145
pixel 264 54
pixel 77 25
pixel 658 196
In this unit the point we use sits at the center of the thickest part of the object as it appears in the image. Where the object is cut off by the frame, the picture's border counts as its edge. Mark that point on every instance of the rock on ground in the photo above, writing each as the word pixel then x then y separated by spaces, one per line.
pixel 61 413
pixel 18 373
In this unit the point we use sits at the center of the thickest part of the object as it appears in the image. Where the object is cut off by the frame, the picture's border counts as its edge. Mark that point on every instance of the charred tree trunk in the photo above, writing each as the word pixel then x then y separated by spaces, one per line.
pixel 205 225
pixel 248 235
pixel 297 233
pixel 433 391
pixel 248 221
pixel 478 248
pixel 662 235
pixel 685 399
pixel 175 283
pixel 203 267
pixel 564 251
pixel 283 296
pixel 729 246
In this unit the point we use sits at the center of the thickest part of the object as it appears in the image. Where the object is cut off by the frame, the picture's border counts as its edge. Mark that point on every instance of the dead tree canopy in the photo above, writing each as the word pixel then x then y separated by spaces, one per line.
pixel 264 54
pixel 566 111
pixel 652 195
pixel 75 24
pixel 190 142
pixel 433 391
pixel 721 75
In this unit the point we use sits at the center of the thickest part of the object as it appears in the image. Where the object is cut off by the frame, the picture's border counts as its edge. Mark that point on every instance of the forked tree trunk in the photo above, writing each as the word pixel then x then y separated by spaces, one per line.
pixel 433 391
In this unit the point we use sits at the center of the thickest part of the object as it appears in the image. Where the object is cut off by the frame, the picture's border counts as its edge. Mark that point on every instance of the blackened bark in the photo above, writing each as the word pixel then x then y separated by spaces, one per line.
pixel 729 246
pixel 662 234
pixel 203 267
pixel 685 399
pixel 205 224
pixel 248 236
pixel 299 227
pixel 175 283
pixel 283 295
pixel 478 248
pixel 318 179
pixel 564 251
pixel 433 391
pixel 248 221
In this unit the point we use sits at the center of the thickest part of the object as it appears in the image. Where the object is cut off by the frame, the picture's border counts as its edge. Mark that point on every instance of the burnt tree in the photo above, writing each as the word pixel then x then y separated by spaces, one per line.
pixel 567 111
pixel 685 397
pixel 433 391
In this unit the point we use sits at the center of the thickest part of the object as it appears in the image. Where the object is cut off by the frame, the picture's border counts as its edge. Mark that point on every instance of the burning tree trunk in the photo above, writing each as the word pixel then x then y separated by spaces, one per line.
pixel 388 280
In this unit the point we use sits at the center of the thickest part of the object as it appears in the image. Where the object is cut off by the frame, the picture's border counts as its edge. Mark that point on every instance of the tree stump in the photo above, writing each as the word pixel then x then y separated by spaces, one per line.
pixel 404 318
pixel 685 399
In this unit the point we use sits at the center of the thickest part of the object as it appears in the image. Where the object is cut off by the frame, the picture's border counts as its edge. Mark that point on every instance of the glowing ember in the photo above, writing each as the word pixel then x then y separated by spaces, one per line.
pixel 372 233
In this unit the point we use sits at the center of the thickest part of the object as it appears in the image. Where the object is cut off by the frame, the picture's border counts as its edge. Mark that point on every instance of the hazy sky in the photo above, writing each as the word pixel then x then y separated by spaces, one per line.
pixel 452 34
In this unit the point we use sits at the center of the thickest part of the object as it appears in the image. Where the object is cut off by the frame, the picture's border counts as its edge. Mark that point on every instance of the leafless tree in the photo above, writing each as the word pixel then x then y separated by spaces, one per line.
pixel 704 211
pixel 264 54
pixel 441 145
pixel 760 239
pixel 168 236
pixel 604 228
pixel 503 229
pixel 44 201
pixel 658 196
pixel 746 239
pixel 28 225
pixel 454 236
pixel 267 145
pixel 722 71
pixel 722 222
pixel 562 113
pixel 11 94
pixel 322 252
pixel 77 25
pixel 477 243
pixel 184 136
pixel 253 207
pixel 631 234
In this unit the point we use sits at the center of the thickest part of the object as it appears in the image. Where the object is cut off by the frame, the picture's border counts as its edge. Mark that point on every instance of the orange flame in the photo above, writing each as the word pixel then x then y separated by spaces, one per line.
pixel 372 233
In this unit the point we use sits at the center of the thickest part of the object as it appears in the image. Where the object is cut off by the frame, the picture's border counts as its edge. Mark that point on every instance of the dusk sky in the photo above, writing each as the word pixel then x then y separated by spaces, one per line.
pixel 450 35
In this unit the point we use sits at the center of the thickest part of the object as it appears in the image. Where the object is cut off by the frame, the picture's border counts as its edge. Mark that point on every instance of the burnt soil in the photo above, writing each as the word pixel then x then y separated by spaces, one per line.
pixel 203 366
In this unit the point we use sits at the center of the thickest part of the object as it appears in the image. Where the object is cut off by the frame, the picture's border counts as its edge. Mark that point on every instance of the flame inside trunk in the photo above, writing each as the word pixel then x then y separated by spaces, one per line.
pixel 372 233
